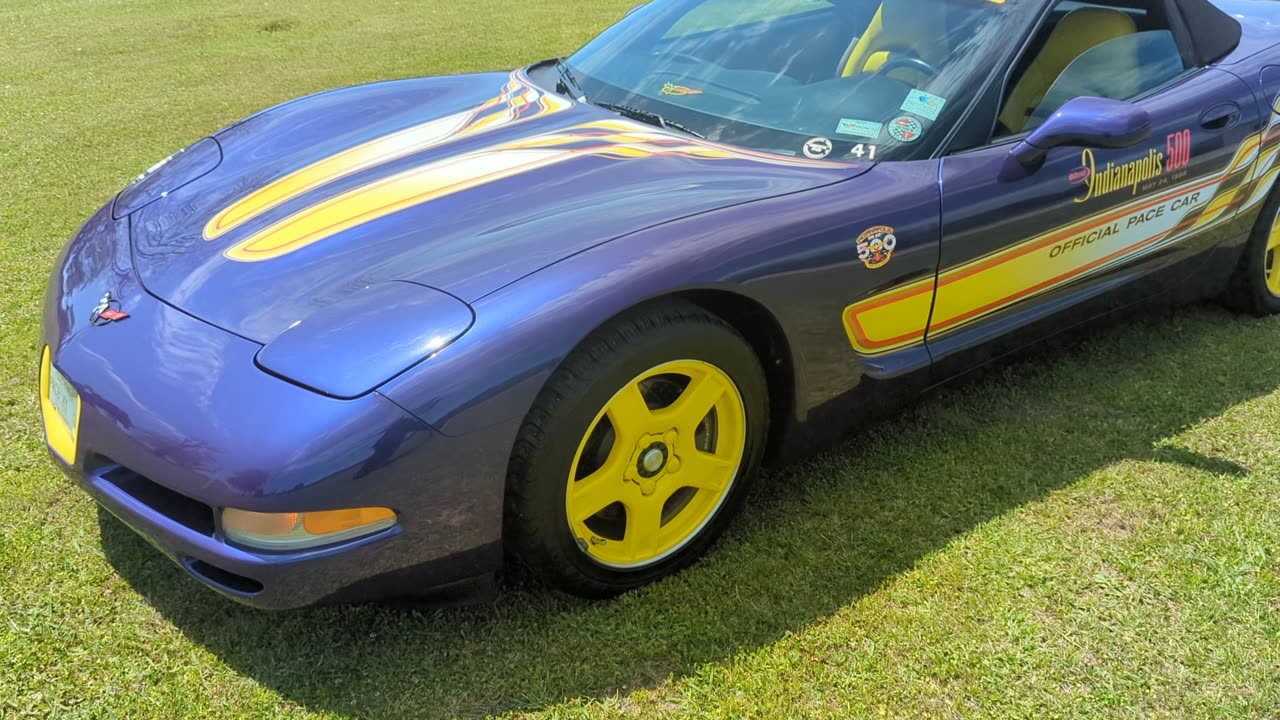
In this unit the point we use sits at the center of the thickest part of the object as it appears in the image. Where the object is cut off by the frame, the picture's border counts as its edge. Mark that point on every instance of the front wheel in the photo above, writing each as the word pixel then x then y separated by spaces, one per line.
pixel 637 453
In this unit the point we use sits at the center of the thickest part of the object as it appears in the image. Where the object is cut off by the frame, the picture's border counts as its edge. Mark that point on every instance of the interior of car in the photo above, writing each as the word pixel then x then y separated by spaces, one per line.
pixel 901 29
pixel 1134 38
pixel 917 38
pixel 910 39
pixel 890 78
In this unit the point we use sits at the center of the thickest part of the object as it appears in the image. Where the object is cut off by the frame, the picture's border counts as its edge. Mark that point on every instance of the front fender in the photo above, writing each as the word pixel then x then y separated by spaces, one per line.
pixel 792 255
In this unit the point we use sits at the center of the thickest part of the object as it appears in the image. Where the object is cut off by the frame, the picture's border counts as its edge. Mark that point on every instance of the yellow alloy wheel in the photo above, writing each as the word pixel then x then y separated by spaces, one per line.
pixel 656 464
pixel 1271 263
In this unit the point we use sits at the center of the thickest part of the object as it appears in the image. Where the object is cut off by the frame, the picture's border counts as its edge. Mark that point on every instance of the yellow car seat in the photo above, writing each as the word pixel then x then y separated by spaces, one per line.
pixel 1080 30
pixel 909 27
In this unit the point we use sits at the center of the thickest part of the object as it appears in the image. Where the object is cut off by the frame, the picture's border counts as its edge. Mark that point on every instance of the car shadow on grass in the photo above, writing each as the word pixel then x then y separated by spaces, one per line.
pixel 815 537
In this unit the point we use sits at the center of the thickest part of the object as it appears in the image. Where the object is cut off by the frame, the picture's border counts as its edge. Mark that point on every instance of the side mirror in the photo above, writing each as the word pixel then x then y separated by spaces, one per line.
pixel 1085 122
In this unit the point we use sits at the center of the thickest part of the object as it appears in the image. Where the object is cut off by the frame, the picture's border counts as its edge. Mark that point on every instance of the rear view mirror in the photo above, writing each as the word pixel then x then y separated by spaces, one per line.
pixel 1084 122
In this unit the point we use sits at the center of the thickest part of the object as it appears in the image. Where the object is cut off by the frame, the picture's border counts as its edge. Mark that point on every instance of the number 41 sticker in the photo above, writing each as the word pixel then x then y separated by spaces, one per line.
pixel 860 151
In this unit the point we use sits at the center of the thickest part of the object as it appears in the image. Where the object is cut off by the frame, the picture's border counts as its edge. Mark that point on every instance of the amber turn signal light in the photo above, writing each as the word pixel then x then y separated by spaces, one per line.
pixel 301 530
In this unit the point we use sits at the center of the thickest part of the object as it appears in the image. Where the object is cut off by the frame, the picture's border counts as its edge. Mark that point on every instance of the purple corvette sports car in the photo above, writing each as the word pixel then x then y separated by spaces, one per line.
pixel 391 339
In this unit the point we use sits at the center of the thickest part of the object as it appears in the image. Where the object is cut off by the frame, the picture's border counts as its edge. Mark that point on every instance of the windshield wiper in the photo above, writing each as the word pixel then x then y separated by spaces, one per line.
pixel 569 84
pixel 652 118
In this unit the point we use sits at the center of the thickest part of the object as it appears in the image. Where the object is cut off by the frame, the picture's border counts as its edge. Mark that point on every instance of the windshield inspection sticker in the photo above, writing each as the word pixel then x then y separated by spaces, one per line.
pixel 817 148
pixel 860 128
pixel 905 129
pixel 926 105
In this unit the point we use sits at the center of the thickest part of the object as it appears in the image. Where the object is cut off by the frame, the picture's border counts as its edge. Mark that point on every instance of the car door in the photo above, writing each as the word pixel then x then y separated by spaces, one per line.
pixel 1093 229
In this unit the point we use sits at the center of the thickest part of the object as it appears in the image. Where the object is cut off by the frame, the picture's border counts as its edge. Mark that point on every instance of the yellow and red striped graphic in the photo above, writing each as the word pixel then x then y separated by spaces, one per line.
pixel 612 139
pixel 518 101
pixel 902 316
pixel 892 320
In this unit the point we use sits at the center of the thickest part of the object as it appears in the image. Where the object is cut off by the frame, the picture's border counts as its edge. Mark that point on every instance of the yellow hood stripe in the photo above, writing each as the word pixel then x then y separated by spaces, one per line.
pixel 519 101
pixel 613 139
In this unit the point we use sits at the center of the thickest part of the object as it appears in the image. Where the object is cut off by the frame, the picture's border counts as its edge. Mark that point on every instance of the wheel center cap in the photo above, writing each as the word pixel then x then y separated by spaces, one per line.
pixel 652 460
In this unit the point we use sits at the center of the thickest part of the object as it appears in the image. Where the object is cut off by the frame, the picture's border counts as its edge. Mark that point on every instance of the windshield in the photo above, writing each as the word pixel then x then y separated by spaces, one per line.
pixel 838 79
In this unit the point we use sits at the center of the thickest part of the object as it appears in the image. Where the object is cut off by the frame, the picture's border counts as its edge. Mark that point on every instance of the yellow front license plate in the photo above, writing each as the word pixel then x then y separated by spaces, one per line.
pixel 60 405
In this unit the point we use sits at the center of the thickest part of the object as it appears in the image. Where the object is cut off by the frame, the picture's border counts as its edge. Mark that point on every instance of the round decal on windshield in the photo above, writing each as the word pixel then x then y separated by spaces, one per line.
pixel 905 129
pixel 817 148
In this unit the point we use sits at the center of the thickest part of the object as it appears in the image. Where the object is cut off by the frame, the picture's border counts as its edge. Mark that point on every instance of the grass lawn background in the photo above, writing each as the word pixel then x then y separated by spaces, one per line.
pixel 1090 532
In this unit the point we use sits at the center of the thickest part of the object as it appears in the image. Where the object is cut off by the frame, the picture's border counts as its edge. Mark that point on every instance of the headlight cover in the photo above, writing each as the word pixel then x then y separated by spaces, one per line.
pixel 348 349
pixel 166 176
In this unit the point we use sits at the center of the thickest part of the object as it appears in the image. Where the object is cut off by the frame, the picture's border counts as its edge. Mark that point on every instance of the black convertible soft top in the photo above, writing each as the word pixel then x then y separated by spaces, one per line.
pixel 1213 34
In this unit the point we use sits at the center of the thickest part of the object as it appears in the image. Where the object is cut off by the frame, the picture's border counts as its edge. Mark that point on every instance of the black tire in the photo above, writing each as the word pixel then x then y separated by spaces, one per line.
pixel 538 536
pixel 1247 291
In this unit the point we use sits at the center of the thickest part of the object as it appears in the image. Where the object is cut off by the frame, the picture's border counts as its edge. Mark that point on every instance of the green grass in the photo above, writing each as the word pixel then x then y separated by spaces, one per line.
pixel 1079 535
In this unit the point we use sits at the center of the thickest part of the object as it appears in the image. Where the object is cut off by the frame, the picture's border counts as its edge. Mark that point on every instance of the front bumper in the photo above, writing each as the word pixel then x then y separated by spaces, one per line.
pixel 354 572
pixel 177 423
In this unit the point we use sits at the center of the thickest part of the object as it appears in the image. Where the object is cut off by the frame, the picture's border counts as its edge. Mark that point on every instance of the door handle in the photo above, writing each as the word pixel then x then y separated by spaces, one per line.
pixel 1220 117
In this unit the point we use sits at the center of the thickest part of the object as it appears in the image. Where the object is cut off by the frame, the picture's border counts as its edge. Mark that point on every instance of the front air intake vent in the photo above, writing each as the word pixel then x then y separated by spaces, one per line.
pixel 173 505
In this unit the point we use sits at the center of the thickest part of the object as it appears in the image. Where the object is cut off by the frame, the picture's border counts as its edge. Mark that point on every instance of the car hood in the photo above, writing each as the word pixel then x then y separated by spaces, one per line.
pixel 463 184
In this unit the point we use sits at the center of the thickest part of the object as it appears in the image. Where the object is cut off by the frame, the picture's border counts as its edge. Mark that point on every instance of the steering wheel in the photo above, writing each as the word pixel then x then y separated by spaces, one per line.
pixel 906 58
